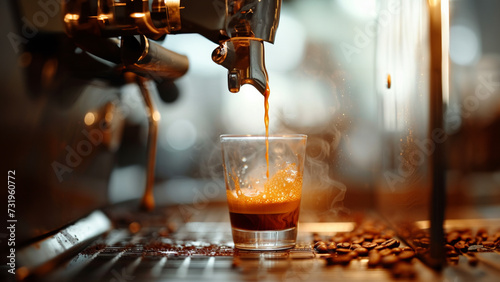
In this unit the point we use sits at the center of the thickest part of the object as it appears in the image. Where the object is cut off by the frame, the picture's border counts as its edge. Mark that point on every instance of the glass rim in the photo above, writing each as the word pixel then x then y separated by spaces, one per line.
pixel 261 136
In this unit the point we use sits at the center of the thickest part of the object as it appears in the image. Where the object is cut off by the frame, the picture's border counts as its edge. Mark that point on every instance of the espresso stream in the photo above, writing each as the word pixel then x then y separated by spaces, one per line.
pixel 266 123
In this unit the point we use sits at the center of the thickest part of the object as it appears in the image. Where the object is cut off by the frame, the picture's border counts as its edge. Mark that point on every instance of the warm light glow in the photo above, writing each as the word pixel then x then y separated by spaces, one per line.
pixel 89 118
pixel 71 17
pixel 102 17
pixel 460 223
pixel 108 117
pixel 423 224
pixel 137 15
pixel 156 116
pixel 434 3
pixel 328 227
pixel 445 41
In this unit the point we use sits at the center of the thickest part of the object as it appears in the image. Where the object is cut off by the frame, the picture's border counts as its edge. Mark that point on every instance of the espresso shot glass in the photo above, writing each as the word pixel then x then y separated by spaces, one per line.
pixel 263 177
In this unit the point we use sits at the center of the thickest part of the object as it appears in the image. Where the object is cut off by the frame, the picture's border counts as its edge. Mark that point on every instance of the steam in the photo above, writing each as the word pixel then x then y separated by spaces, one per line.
pixel 319 170
pixel 210 163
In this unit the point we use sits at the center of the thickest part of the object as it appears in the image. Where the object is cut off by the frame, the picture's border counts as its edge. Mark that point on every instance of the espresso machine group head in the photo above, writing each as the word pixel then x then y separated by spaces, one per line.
pixel 239 27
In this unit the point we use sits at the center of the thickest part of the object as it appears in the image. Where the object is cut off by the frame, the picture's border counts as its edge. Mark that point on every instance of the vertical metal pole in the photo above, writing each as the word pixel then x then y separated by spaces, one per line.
pixel 436 126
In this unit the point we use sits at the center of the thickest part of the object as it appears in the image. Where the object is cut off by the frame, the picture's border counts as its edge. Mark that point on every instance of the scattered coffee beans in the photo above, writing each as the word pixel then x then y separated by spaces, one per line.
pixel 370 241
pixel 378 244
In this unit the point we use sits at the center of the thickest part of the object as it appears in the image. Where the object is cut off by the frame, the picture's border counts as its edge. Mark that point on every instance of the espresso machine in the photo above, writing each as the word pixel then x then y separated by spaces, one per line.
pixel 67 62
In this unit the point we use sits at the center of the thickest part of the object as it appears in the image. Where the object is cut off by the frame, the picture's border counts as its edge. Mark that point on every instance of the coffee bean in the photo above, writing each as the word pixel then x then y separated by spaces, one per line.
pixel 332 247
pixel 467 238
pixel 452 253
pixel 338 260
pixel 353 254
pixel 344 245
pixel 489 244
pixel 407 249
pixel 322 248
pixel 474 241
pixel 391 243
pixel 368 245
pixel 461 246
pixel 453 237
pixel 385 252
pixel 344 259
pixel 318 243
pixel 374 259
pixel 389 261
pixel 362 251
pixel 343 251
pixel 378 248
pixel 357 240
pixel 396 250
pixel 379 240
pixel 355 246
pixel 406 255
pixel 448 247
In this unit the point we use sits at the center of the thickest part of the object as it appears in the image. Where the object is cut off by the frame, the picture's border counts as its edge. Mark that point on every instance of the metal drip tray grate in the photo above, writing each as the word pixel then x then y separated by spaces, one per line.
pixel 168 245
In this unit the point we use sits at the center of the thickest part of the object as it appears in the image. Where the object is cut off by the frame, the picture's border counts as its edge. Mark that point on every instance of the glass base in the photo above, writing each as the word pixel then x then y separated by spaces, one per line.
pixel 264 240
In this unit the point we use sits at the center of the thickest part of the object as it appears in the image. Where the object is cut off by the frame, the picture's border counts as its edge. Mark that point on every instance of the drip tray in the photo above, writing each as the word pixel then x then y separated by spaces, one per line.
pixel 193 244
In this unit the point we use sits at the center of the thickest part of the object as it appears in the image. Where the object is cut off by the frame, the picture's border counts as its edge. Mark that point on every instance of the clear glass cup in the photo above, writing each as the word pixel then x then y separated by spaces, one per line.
pixel 263 193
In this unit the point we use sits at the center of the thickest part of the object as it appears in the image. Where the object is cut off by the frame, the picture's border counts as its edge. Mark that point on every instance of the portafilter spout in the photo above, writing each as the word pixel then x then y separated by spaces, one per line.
pixel 240 27
pixel 248 23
